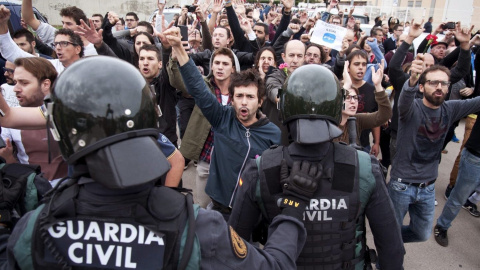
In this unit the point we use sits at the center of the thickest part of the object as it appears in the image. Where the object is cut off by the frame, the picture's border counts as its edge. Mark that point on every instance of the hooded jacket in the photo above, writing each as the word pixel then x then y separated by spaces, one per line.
pixel 233 143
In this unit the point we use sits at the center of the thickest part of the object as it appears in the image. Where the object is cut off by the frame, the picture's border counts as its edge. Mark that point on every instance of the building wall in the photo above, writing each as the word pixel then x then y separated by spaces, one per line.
pixel 143 8
pixel 464 11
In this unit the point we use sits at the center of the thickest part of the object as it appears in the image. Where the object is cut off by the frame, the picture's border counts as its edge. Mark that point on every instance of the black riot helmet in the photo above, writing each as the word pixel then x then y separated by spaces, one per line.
pixel 311 104
pixel 97 104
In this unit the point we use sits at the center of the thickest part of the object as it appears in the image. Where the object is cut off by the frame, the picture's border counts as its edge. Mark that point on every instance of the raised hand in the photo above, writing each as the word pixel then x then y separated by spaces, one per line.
pixel 261 62
pixel 288 4
pixel 350 22
pixel 217 6
pixel 4 15
pixel 113 17
pixel 239 7
pixel 203 10
pixel 475 40
pixel 462 34
pixel 309 23
pixel 90 33
pixel 351 11
pixel 416 29
pixel 439 28
pixel 416 69
pixel 377 76
pixel 245 24
pixel 347 81
pixel 295 27
pixel 173 36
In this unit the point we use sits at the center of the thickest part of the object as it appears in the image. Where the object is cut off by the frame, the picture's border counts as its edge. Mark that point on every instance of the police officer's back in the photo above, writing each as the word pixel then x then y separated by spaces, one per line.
pixel 351 185
pixel 111 213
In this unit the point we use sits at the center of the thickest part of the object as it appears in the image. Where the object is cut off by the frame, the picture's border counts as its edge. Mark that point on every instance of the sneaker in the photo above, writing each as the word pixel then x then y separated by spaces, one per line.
pixel 448 191
pixel 441 236
pixel 471 208
pixel 455 139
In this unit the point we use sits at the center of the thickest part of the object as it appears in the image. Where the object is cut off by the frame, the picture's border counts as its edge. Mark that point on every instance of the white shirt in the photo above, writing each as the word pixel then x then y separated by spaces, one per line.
pixel 10 51
pixel 46 33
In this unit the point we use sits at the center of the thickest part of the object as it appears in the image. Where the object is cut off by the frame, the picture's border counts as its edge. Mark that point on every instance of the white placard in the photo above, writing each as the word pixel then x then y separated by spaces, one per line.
pixel 329 35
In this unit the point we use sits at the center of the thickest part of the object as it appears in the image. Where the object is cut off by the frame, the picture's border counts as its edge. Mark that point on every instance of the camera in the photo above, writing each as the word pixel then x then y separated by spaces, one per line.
pixel 191 8
pixel 449 25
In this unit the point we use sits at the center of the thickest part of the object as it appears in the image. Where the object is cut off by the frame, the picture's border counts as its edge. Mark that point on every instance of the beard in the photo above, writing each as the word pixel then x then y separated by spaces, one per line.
pixel 435 100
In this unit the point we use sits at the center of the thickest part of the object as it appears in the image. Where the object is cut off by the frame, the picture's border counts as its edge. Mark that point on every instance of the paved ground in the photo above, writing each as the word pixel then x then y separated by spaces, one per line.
pixel 464 233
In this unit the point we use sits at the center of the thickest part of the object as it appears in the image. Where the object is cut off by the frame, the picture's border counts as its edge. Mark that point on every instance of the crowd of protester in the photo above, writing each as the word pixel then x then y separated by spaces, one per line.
pixel 407 101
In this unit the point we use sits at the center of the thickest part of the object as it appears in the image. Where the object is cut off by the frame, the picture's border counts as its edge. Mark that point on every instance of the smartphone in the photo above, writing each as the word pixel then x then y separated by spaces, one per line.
pixel 184 32
pixel 191 9
pixel 161 1
pixel 449 25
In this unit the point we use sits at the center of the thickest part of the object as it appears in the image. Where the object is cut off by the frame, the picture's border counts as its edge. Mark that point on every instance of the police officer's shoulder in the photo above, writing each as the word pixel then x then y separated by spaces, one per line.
pixel 213 232
pixel 161 196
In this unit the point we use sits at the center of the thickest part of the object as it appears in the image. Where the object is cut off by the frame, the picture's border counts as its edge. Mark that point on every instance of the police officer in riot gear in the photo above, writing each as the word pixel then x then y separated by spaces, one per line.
pixel 351 185
pixel 111 214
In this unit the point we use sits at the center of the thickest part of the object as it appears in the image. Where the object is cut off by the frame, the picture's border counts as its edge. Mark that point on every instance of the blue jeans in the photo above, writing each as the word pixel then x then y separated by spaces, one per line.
pixel 468 180
pixel 420 204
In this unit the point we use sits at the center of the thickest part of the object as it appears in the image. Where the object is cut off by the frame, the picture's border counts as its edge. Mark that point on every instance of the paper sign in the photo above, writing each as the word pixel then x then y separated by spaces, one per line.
pixel 329 35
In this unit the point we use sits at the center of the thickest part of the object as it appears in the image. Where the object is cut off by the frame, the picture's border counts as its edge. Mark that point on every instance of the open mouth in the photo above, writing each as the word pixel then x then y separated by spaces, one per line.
pixel 438 93
pixel 145 70
pixel 360 74
pixel 243 111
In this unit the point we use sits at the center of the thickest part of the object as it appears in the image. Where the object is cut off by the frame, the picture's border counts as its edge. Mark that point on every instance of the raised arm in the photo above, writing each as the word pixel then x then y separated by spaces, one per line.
pixel 241 43
pixel 285 21
pixel 395 72
pixel 217 7
pixel 372 42
pixel 204 99
pixel 21 117
pixel 121 50
pixel 95 37
pixel 464 58
pixel 206 36
pixel 28 16
pixel 8 48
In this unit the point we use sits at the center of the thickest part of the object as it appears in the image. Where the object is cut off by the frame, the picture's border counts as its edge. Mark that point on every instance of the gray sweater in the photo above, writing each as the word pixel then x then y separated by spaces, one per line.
pixel 421 132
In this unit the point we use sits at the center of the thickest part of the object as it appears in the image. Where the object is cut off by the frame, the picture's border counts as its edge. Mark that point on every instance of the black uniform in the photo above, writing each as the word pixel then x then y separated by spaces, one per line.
pixel 335 217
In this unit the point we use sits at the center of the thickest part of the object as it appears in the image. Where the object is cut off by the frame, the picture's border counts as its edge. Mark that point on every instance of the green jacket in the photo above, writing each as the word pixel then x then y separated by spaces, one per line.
pixel 198 126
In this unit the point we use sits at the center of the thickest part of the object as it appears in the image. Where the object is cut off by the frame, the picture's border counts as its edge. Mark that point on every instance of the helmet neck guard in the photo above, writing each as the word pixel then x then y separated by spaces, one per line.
pixel 313 131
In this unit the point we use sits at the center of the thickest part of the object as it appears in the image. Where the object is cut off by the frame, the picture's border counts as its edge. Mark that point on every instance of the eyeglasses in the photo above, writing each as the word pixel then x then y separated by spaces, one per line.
pixel 434 83
pixel 63 44
pixel 8 70
pixel 351 98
